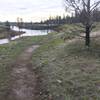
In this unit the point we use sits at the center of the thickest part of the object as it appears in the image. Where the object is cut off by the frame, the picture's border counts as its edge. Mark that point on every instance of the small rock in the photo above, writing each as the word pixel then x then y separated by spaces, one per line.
pixel 59 81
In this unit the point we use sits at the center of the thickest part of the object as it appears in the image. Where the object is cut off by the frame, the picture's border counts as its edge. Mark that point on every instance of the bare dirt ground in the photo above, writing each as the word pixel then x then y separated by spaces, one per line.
pixel 23 78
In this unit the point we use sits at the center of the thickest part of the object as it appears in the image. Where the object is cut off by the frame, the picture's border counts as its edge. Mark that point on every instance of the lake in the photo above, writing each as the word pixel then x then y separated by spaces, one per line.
pixel 28 32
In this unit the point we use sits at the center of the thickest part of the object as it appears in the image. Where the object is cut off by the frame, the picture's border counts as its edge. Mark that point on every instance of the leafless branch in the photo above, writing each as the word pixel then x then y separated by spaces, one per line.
pixel 94 5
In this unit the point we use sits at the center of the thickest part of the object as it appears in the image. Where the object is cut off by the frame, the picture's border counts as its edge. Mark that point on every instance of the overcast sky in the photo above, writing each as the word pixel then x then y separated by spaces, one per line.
pixel 34 10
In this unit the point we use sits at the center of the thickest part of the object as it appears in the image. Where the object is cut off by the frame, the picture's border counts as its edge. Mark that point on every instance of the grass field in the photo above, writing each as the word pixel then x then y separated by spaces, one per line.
pixel 68 71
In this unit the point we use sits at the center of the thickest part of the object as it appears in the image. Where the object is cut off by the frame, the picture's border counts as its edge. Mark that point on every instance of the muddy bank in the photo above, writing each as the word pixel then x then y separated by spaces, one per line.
pixel 9 34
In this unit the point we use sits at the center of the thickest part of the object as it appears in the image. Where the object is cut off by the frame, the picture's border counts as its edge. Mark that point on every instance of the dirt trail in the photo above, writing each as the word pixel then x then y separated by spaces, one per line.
pixel 23 78
pixel 93 34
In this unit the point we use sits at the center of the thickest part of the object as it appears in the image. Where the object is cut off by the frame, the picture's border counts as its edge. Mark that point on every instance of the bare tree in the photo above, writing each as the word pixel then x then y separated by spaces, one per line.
pixel 85 9
pixel 19 23
pixel 7 25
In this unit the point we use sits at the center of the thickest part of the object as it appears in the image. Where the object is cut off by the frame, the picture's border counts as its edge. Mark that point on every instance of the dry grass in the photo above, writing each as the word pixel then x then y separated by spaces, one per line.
pixel 69 71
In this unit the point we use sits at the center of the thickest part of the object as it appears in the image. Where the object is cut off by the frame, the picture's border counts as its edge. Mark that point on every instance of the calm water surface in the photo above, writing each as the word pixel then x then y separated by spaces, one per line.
pixel 28 32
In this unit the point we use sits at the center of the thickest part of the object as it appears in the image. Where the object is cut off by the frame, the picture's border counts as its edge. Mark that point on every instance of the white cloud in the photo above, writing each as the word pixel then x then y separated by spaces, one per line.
pixel 30 9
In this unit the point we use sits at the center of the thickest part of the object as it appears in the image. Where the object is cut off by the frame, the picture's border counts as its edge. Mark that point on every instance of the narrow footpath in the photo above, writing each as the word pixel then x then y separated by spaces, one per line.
pixel 23 80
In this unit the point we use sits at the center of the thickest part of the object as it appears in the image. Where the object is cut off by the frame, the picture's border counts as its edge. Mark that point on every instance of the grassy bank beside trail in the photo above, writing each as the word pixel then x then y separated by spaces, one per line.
pixel 68 71
pixel 8 54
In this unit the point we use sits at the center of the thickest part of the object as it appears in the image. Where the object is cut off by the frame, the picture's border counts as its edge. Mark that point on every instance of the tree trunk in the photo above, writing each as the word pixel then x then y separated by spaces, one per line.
pixel 88 25
pixel 87 39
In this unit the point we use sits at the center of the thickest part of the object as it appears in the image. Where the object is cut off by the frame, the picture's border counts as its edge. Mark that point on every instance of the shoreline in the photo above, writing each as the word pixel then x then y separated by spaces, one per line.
pixel 8 34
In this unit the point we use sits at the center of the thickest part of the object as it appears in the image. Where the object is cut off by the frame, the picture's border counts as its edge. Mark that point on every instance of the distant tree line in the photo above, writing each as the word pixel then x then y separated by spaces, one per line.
pixel 74 18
